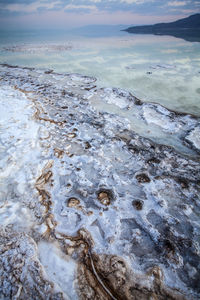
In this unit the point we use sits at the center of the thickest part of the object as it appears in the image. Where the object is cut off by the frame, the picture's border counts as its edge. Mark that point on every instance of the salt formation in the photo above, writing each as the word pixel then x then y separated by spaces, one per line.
pixel 35 48
pixel 99 192
pixel 194 138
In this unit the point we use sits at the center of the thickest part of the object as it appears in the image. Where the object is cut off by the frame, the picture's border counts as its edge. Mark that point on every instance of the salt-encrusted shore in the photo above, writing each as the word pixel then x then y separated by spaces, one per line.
pixel 99 192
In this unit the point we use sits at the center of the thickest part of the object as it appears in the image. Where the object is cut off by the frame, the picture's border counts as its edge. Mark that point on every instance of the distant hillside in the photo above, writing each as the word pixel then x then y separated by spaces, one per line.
pixel 187 28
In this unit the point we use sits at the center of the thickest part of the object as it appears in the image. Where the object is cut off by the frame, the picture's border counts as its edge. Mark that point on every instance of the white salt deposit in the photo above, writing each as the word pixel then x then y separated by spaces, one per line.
pixel 20 152
pixel 78 182
pixel 194 137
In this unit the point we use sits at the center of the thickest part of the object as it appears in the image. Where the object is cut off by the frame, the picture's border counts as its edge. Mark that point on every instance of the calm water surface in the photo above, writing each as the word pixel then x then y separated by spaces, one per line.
pixel 154 68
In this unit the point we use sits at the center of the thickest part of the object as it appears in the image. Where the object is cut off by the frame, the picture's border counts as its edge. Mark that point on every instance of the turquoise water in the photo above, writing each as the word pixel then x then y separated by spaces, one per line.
pixel 154 68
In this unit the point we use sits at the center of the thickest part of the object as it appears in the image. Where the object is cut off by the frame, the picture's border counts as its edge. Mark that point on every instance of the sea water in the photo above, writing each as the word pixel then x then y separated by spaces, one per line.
pixel 159 69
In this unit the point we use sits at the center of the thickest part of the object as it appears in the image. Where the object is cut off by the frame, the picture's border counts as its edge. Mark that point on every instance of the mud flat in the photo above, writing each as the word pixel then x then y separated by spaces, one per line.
pixel 99 192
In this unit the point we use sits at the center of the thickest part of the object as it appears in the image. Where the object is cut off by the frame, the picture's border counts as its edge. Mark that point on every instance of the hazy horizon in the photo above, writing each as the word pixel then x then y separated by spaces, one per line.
pixel 43 14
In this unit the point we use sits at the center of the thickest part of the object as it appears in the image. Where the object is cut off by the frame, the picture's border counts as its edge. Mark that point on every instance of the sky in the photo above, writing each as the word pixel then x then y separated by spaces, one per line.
pixel 77 13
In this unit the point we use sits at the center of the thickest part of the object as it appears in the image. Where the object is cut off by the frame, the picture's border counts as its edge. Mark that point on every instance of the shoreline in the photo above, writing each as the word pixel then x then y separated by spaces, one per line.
pixel 139 101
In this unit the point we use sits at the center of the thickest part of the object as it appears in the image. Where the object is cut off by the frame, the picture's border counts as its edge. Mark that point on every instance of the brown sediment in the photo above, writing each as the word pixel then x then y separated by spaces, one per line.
pixel 91 284
pixel 22 90
pixel 105 196
pixel 108 277
pixel 105 277
pixel 73 202
pixel 58 153
pixel 38 110
pixel 51 121
pixel 45 197
pixel 44 178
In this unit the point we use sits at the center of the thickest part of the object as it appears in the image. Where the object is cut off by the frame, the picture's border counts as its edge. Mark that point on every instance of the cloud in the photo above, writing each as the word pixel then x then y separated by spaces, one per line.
pixel 136 1
pixel 177 3
pixel 53 12
pixel 184 11
pixel 72 7
pixel 30 7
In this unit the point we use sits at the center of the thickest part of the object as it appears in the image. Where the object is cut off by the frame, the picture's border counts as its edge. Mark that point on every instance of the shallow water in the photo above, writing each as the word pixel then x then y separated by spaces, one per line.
pixel 154 68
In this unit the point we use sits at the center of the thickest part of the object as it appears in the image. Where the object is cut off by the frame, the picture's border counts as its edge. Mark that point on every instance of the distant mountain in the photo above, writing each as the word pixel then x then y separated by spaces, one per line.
pixel 187 28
